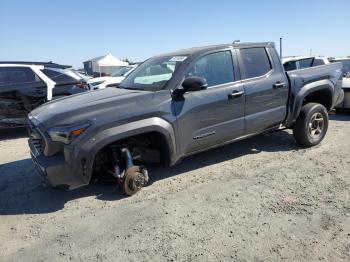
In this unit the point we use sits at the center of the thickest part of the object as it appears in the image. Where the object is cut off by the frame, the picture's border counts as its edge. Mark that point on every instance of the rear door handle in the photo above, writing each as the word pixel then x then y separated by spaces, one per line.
pixel 235 94
pixel 279 85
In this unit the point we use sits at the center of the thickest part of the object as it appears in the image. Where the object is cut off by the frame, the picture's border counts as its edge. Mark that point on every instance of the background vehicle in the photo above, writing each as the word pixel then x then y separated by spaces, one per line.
pixel 179 104
pixel 301 62
pixel 26 85
pixel 82 75
pixel 108 81
pixel 346 83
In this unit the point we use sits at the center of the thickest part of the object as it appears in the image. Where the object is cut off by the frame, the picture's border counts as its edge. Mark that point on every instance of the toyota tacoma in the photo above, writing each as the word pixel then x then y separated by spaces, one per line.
pixel 175 105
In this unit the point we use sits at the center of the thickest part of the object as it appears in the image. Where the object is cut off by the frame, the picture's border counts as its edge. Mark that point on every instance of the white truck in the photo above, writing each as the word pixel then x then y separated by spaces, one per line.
pixel 109 81
pixel 301 62
pixel 346 83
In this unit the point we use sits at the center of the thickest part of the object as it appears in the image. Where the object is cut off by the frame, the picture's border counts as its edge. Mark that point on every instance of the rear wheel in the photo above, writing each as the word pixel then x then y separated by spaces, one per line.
pixel 311 125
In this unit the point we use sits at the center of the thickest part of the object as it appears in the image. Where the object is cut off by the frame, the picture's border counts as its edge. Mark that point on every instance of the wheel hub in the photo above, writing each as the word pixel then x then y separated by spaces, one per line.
pixel 134 179
pixel 137 183
pixel 316 125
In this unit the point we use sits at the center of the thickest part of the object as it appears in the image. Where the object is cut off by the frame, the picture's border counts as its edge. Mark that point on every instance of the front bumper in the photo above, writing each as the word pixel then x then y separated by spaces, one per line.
pixel 54 170
pixel 61 170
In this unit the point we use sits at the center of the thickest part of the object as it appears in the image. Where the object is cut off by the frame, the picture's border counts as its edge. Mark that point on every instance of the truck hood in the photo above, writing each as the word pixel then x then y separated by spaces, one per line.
pixel 98 79
pixel 110 104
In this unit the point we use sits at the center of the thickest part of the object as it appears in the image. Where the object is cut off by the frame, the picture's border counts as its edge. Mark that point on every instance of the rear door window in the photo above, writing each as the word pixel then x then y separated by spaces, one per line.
pixel 60 77
pixel 255 62
pixel 318 62
pixel 17 75
pixel 216 68
pixel 289 66
pixel 305 63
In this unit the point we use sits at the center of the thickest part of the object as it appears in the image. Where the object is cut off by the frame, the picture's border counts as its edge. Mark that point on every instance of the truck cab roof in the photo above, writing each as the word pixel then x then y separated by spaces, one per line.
pixel 203 49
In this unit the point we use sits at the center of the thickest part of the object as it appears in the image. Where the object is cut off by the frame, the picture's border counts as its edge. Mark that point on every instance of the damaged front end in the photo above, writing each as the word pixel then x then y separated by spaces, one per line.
pixel 53 162
pixel 60 164
pixel 14 110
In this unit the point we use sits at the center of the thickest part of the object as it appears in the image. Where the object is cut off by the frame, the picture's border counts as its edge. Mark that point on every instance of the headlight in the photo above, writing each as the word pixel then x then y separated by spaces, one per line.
pixel 66 134
pixel 97 83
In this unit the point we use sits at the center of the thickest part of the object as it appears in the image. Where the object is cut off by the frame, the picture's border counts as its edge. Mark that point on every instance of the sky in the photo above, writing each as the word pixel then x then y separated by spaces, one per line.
pixel 73 31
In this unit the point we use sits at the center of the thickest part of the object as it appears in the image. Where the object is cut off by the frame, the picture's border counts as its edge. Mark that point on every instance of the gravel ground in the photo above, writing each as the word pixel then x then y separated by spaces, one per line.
pixel 262 199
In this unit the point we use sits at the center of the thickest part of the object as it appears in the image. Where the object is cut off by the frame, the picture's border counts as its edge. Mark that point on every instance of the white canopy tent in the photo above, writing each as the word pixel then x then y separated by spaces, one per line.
pixel 107 64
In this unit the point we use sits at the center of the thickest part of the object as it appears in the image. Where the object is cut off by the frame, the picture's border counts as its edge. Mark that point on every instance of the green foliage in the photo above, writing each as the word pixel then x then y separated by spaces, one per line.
pixel 127 60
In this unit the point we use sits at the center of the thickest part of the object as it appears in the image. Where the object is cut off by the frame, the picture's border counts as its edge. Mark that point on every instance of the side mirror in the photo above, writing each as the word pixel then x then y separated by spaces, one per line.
pixel 194 83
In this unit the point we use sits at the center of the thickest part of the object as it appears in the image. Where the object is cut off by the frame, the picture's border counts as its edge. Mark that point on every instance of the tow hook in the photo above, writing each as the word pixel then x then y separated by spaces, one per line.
pixel 132 178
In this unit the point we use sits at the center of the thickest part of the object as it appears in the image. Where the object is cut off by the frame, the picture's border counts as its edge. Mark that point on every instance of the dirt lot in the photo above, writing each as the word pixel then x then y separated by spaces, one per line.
pixel 263 199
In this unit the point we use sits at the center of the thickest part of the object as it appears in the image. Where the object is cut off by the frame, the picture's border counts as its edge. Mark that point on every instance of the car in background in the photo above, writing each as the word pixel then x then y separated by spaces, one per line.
pixel 26 85
pixel 82 75
pixel 346 83
pixel 301 62
pixel 109 81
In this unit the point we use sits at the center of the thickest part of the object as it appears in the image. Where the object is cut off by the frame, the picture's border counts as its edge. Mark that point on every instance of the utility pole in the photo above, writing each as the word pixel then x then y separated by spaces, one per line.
pixel 281 47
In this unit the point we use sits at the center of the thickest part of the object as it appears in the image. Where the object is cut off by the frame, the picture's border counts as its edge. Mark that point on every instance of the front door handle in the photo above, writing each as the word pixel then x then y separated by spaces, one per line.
pixel 235 94
pixel 279 85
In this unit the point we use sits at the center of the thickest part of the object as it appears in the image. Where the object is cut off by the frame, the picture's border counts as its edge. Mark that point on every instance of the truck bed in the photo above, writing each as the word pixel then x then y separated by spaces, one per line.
pixel 321 76
pixel 312 74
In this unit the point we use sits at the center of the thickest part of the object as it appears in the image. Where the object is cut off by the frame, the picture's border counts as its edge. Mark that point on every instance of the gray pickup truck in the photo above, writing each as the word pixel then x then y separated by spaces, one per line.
pixel 175 105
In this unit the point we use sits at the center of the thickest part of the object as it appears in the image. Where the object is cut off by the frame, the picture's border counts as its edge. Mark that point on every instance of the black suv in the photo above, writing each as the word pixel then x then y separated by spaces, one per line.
pixel 26 85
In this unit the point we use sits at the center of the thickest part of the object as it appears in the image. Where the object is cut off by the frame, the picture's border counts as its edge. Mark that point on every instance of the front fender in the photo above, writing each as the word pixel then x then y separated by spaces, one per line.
pixel 91 146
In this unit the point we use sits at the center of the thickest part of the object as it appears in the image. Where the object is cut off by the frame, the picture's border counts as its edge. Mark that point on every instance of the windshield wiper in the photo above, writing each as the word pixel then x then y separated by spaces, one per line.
pixel 130 88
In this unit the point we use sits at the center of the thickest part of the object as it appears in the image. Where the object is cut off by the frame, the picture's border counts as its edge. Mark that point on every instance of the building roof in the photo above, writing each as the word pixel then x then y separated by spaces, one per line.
pixel 107 60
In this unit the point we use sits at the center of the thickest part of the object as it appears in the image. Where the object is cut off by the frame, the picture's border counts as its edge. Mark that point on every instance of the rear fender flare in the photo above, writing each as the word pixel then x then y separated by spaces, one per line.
pixel 307 89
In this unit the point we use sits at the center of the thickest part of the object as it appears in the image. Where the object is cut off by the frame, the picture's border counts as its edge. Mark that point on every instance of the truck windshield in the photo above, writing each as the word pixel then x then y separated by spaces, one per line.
pixel 122 72
pixel 153 74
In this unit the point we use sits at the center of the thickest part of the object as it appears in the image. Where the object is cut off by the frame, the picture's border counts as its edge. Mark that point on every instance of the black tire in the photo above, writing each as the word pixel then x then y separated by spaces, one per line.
pixel 311 126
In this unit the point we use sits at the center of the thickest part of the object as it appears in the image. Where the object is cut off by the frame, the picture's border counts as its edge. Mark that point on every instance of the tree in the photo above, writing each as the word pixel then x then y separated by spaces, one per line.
pixel 127 60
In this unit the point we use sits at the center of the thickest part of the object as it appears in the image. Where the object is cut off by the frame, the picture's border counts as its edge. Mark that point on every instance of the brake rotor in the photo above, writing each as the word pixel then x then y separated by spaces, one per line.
pixel 134 179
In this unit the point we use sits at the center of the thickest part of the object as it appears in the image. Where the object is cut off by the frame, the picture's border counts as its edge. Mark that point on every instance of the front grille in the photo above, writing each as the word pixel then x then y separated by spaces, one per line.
pixel 38 144
pixel 35 137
